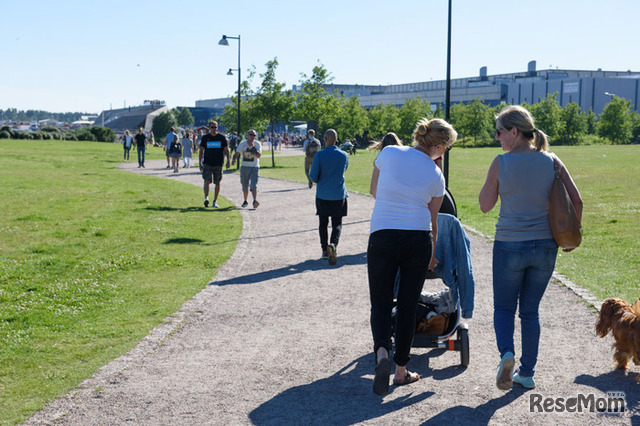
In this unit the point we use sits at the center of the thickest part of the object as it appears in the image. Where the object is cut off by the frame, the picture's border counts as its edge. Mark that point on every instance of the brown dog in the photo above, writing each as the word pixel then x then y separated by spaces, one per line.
pixel 623 321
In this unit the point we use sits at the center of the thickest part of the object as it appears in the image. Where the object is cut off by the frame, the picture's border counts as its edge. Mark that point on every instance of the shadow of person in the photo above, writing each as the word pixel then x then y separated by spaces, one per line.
pixel 420 364
pixel 480 415
pixel 346 397
pixel 307 265
pixel 615 381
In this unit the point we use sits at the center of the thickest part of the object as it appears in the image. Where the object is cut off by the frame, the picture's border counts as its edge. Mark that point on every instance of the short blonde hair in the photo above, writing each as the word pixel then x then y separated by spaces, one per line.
pixel 434 132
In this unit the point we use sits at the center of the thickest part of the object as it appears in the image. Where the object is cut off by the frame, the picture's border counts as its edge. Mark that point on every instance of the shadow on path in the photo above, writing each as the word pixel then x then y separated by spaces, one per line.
pixel 308 265
pixel 616 381
pixel 346 392
pixel 480 415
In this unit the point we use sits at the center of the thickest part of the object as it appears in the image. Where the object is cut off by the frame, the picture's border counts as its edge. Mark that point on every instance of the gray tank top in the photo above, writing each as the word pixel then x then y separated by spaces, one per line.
pixel 524 186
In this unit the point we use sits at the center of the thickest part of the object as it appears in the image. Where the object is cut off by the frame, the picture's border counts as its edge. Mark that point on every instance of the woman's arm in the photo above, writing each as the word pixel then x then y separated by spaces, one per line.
pixel 434 208
pixel 488 196
pixel 373 186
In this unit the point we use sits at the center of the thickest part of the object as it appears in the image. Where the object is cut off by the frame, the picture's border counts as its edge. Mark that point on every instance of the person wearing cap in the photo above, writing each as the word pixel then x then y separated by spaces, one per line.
pixel 251 152
pixel 214 147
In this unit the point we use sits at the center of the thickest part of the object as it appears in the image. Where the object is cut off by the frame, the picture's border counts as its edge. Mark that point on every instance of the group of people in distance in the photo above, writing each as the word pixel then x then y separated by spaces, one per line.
pixel 408 187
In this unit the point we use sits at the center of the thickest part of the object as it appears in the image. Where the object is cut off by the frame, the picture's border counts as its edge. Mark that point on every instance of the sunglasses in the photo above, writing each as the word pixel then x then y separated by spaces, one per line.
pixel 498 131
pixel 252 134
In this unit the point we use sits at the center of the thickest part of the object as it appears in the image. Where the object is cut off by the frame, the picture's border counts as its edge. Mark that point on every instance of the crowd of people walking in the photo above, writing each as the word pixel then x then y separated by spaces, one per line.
pixel 408 186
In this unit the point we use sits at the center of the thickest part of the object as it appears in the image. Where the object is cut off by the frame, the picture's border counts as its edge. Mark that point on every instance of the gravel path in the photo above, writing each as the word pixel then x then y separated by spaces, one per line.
pixel 280 337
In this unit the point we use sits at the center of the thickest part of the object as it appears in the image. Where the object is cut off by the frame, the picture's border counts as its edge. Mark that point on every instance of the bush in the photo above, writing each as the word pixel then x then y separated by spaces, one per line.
pixel 4 134
pixel 85 135
pixel 103 134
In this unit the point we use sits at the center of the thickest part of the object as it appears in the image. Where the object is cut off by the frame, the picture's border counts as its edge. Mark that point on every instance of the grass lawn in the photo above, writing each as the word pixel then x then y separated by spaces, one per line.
pixel 92 258
pixel 608 261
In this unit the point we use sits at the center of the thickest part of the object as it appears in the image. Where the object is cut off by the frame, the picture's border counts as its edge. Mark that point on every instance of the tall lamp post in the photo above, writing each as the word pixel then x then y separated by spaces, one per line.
pixel 447 105
pixel 225 42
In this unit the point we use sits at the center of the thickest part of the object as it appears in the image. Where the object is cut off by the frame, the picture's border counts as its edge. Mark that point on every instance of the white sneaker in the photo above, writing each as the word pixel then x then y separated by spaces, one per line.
pixel 215 205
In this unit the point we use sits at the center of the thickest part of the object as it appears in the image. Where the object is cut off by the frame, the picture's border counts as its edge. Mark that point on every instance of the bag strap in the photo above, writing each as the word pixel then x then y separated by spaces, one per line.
pixel 556 167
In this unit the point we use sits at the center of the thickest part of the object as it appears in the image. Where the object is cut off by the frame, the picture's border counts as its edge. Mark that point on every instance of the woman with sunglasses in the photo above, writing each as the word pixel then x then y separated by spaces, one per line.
pixel 524 251
pixel 408 188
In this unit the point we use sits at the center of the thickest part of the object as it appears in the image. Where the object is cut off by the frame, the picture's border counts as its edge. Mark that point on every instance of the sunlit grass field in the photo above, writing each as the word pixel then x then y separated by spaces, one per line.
pixel 91 259
pixel 608 261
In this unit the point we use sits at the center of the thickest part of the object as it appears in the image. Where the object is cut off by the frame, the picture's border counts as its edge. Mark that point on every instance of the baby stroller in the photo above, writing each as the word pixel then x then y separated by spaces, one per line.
pixel 439 316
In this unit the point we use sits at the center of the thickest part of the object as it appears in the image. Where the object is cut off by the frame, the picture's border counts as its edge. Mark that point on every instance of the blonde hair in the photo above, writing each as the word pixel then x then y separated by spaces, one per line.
pixel 518 117
pixel 434 132
pixel 389 139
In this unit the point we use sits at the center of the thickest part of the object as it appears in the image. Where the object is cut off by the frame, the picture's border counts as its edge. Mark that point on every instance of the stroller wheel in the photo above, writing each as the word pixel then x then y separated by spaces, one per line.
pixel 463 337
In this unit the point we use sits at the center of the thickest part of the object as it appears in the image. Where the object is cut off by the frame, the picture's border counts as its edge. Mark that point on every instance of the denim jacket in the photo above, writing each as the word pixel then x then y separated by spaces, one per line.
pixel 453 251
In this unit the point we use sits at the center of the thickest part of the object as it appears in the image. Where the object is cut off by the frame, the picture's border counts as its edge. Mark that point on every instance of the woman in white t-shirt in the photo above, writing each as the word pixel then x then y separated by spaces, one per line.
pixel 408 188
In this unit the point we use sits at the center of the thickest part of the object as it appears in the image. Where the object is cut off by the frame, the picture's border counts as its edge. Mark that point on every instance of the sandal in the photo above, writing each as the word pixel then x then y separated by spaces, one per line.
pixel 408 379
pixel 381 379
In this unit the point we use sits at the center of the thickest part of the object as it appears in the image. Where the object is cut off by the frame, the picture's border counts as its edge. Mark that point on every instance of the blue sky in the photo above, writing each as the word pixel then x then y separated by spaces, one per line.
pixel 70 55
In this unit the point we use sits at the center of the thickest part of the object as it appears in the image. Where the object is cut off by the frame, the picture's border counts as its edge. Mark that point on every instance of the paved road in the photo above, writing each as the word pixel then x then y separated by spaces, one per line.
pixel 280 337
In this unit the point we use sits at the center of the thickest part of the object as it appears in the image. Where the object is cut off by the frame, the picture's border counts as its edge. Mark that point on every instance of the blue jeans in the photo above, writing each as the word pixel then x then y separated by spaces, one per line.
pixel 140 156
pixel 521 272
pixel 388 251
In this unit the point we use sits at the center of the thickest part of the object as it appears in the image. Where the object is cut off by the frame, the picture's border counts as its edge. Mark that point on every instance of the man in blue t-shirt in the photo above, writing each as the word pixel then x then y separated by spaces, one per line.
pixel 327 171
pixel 214 147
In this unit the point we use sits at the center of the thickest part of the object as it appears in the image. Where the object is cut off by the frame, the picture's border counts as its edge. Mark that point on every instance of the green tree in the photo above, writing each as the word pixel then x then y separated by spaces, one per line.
pixel 351 120
pixel 574 124
pixel 439 112
pixel 312 101
pixel 184 118
pixel 616 121
pixel 383 119
pixel 413 110
pixel 162 124
pixel 473 120
pixel 272 101
pixel 592 122
pixel 548 115
pixel 249 117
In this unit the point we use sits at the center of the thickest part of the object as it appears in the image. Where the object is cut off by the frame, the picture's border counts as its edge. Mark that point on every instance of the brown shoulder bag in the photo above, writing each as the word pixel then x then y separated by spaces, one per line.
pixel 563 219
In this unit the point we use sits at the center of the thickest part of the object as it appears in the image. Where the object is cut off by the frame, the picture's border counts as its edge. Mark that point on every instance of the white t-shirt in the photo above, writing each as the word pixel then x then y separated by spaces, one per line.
pixel 408 180
pixel 248 159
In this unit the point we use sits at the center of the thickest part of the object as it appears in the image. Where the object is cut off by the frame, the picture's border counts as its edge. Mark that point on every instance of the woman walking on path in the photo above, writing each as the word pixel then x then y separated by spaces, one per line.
pixel 175 152
pixel 187 151
pixel 127 143
pixel 408 188
pixel 524 251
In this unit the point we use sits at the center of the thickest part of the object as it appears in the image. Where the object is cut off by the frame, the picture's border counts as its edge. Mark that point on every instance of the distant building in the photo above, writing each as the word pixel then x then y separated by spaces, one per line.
pixel 589 89
pixel 131 118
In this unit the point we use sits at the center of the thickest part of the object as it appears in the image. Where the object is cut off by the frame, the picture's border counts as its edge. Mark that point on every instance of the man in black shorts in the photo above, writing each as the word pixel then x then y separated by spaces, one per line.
pixel 214 147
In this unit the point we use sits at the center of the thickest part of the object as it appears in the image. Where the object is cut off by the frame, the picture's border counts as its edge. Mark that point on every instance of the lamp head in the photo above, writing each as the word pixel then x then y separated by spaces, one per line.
pixel 230 72
pixel 223 41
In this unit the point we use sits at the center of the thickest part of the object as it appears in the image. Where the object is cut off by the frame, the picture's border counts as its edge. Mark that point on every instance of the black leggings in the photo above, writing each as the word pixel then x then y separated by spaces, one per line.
pixel 388 251
pixel 336 228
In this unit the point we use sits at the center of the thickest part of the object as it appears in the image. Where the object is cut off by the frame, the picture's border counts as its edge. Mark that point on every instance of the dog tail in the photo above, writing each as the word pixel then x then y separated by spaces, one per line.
pixel 635 308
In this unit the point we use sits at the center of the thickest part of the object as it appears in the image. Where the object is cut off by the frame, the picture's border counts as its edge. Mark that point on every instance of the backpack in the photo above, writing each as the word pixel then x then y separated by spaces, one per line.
pixel 313 146
pixel 176 147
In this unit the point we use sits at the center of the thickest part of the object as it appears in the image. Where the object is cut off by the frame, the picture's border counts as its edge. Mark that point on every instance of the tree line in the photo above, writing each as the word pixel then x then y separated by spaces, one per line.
pixel 271 104
pixel 13 114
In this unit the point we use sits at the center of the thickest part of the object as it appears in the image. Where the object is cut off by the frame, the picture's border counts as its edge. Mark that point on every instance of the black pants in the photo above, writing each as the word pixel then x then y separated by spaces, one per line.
pixel 388 251
pixel 336 229
pixel 126 152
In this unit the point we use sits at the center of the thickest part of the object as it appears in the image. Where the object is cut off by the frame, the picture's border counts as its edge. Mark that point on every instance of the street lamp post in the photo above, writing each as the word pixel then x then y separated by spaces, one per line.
pixel 225 42
pixel 447 107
